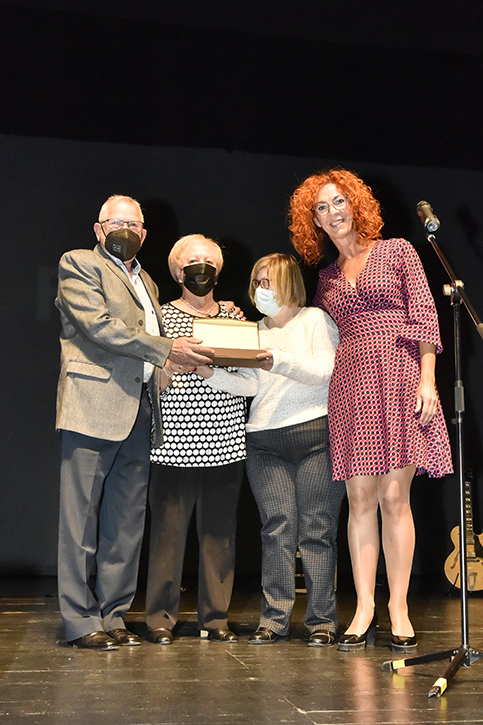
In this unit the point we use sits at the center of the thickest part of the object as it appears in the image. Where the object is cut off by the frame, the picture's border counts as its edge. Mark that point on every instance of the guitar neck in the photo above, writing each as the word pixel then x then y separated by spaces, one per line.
pixel 469 530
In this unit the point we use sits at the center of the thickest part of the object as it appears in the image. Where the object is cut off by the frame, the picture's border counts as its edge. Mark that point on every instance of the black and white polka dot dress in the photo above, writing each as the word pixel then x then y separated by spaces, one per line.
pixel 201 426
pixel 372 393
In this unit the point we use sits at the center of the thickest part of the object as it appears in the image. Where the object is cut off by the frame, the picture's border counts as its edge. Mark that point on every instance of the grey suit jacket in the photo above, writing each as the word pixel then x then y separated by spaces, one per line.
pixel 103 345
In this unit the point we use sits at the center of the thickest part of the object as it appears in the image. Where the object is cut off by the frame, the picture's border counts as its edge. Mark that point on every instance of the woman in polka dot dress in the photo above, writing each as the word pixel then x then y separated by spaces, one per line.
pixel 385 419
pixel 200 464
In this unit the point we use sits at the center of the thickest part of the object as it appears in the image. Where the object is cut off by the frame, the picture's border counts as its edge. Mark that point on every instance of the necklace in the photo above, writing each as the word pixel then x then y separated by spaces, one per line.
pixel 197 310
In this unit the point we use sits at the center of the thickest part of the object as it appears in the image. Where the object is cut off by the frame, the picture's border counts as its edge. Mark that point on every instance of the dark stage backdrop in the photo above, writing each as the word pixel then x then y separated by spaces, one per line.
pixel 51 193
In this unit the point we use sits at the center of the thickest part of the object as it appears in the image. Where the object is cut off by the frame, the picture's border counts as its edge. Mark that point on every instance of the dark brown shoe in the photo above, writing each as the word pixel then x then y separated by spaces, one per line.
pixel 95 640
pixel 124 638
pixel 222 635
pixel 161 636
pixel 264 636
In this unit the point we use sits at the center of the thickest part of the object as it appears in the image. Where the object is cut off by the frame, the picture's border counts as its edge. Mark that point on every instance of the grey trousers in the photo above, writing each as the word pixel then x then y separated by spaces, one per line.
pixel 103 489
pixel 290 475
pixel 173 494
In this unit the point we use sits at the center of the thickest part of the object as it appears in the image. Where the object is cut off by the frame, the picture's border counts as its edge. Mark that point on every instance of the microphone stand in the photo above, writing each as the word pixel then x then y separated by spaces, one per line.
pixel 463 656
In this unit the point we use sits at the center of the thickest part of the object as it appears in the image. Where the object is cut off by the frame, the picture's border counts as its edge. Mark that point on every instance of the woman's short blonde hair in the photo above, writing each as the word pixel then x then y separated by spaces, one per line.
pixel 179 248
pixel 284 272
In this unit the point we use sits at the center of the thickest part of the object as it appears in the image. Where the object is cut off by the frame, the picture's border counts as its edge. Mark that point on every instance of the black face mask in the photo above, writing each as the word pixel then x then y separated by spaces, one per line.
pixel 123 244
pixel 200 278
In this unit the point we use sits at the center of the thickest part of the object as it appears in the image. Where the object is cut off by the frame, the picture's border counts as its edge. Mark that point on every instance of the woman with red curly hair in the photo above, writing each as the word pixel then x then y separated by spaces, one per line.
pixel 385 420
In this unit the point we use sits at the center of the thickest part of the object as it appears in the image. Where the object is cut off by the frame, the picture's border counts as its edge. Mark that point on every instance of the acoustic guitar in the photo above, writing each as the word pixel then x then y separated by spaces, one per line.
pixel 474 550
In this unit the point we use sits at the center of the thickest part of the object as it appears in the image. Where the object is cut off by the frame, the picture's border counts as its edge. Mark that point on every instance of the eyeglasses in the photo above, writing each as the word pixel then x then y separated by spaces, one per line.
pixel 323 208
pixel 115 224
pixel 264 283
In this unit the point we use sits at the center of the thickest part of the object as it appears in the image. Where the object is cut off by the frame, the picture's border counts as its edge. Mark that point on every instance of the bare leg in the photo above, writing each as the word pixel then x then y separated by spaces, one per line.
pixel 398 540
pixel 363 536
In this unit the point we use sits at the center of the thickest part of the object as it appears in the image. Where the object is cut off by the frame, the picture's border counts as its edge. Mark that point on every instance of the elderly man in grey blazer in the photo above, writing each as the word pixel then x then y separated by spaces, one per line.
pixel 107 407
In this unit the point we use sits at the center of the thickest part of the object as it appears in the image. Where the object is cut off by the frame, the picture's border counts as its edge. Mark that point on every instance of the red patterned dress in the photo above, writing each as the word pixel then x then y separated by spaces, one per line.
pixel 372 394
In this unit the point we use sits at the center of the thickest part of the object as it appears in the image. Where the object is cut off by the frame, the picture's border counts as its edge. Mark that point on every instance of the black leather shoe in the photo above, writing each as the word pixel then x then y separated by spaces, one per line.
pixel 222 635
pixel 264 636
pixel 161 636
pixel 321 638
pixel 124 638
pixel 356 642
pixel 403 645
pixel 95 640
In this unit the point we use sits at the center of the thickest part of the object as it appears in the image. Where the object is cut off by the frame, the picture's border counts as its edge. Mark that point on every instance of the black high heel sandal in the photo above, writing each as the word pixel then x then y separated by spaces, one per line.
pixel 356 642
pixel 403 645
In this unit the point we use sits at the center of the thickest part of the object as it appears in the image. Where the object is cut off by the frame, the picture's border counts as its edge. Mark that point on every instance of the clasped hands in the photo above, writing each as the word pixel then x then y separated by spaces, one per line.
pixel 188 353
pixel 188 356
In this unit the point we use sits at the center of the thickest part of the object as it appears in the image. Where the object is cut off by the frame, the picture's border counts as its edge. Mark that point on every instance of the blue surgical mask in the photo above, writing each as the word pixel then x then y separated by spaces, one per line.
pixel 266 303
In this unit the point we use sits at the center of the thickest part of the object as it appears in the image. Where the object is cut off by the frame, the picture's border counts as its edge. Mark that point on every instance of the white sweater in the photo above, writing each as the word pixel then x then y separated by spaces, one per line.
pixel 295 390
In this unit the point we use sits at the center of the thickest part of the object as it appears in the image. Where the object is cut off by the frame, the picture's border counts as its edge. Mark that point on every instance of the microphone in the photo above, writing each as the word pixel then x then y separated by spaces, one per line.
pixel 428 217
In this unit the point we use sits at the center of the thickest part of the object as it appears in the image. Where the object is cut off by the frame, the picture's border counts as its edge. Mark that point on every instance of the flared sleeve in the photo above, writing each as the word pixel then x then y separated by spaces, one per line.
pixel 421 324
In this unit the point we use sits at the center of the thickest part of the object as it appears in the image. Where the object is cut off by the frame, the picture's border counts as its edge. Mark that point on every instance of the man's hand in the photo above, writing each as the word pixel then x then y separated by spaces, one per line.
pixel 188 351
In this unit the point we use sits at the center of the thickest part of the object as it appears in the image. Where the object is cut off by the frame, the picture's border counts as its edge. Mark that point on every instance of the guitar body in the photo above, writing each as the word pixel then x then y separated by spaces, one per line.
pixel 474 558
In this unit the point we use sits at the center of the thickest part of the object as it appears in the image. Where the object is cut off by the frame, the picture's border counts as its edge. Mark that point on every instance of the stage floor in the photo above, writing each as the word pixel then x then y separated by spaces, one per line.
pixel 209 683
